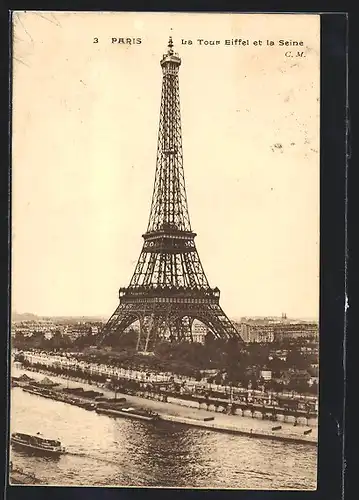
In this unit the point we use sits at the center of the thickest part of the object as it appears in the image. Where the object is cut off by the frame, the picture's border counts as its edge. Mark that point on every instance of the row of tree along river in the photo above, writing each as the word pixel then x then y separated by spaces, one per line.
pixel 235 401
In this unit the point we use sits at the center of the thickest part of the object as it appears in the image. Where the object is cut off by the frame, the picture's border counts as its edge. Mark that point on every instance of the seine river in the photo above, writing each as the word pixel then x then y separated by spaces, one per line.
pixel 103 451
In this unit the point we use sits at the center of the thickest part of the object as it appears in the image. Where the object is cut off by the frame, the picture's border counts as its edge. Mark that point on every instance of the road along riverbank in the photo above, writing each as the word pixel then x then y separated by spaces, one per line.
pixel 267 406
pixel 176 414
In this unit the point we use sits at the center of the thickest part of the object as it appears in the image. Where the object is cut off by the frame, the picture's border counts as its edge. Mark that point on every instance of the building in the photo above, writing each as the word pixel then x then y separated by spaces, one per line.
pixel 77 330
pixel 29 328
pixel 295 331
pixel 265 320
pixel 266 374
pixel 257 332
pixel 269 329
pixel 199 332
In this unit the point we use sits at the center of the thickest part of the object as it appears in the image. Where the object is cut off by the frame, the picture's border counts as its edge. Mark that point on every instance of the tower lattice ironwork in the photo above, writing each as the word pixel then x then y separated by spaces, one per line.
pixel 169 288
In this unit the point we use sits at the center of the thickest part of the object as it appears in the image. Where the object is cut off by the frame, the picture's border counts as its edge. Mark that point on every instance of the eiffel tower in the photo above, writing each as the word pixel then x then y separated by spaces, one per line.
pixel 169 288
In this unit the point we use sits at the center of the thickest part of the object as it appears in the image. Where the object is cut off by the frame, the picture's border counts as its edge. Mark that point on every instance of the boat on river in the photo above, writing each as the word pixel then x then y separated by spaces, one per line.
pixel 136 413
pixel 45 393
pixel 37 443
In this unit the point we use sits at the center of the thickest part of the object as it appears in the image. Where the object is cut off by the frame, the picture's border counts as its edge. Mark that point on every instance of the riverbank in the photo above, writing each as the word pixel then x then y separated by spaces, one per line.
pixel 175 413
pixel 256 404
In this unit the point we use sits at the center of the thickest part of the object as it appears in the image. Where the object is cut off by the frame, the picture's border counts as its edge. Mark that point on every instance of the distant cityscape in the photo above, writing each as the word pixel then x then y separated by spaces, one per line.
pixel 252 329
pixel 286 356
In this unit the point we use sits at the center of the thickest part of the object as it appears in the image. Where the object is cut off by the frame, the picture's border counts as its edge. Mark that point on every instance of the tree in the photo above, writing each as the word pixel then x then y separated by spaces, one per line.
pixel 299 382
pixel 19 339
pixel 83 341
pixel 37 339
pixel 128 340
pixel 198 376
pixel 276 365
pixel 209 339
pixel 295 359
pixel 258 354
pixel 272 385
pixel 56 340
pixel 313 389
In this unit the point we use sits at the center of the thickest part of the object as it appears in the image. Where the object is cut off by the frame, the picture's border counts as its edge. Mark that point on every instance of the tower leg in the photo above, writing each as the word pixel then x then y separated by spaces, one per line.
pixel 151 332
pixel 141 333
pixel 176 319
pixel 147 339
pixel 183 327
pixel 191 320
pixel 139 336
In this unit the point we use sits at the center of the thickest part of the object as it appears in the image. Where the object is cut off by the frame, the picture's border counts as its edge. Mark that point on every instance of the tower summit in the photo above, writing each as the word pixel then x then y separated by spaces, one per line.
pixel 168 289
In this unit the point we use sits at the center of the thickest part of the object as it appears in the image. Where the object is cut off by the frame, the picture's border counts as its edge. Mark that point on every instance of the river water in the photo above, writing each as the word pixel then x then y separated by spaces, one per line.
pixel 103 451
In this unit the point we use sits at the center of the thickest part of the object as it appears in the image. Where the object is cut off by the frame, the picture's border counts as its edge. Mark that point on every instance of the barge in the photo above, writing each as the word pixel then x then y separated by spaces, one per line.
pixel 135 413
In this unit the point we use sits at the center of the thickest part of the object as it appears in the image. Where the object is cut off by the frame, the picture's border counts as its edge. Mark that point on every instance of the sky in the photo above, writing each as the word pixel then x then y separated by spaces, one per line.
pixel 85 123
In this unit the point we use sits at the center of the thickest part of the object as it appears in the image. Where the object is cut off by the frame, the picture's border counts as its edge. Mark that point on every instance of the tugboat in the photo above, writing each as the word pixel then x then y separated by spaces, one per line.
pixel 37 443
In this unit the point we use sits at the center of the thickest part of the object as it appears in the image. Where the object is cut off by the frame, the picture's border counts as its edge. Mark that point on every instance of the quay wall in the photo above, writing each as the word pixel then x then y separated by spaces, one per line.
pixel 220 427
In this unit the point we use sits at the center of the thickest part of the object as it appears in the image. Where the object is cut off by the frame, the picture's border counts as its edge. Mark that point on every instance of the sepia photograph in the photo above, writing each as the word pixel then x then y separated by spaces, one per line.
pixel 165 250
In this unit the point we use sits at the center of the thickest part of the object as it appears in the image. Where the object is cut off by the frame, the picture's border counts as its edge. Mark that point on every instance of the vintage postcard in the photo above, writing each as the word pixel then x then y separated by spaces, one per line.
pixel 165 250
